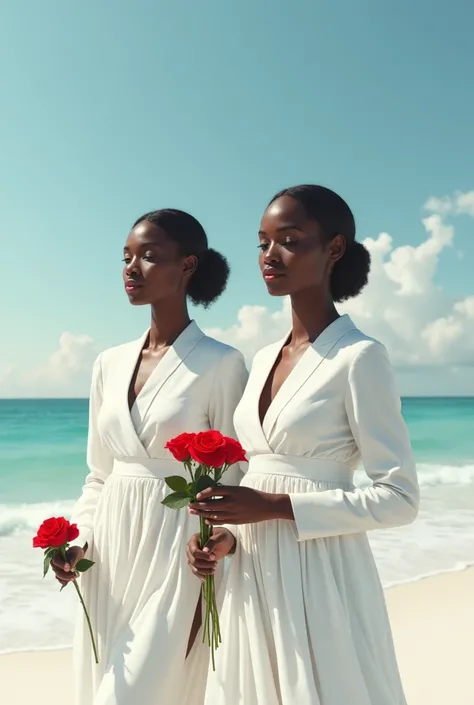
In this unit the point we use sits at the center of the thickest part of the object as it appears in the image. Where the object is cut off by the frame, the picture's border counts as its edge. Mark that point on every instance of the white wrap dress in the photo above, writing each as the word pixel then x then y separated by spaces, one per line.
pixel 140 593
pixel 304 619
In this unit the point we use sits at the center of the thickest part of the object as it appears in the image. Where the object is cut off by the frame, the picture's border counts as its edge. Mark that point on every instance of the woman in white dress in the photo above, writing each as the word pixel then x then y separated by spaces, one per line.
pixel 140 594
pixel 304 619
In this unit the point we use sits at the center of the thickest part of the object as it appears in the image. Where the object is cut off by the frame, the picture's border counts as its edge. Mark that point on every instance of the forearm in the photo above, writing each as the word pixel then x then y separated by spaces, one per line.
pixel 280 507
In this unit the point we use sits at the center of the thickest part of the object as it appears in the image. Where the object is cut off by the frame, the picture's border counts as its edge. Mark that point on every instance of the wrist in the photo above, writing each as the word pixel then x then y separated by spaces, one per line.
pixel 233 542
pixel 229 537
pixel 281 507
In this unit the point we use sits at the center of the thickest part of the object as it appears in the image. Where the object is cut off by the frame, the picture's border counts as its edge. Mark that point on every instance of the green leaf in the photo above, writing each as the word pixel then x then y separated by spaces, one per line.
pixel 83 565
pixel 63 586
pixel 198 473
pixel 46 564
pixel 176 483
pixel 204 482
pixel 177 500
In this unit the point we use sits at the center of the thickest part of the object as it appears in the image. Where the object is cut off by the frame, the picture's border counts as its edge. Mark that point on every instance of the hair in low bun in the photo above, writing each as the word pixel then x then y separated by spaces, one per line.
pixel 350 273
pixel 210 278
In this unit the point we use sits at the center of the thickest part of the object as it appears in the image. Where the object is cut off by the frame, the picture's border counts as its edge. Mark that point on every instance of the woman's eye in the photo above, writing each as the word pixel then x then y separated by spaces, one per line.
pixel 127 260
pixel 263 246
pixel 290 243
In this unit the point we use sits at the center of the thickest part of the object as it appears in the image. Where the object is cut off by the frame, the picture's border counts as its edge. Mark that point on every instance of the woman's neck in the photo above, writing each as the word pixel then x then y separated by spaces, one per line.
pixel 167 322
pixel 311 314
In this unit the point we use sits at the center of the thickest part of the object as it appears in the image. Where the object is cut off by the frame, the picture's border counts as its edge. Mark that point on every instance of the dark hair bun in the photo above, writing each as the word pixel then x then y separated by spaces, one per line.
pixel 350 274
pixel 210 278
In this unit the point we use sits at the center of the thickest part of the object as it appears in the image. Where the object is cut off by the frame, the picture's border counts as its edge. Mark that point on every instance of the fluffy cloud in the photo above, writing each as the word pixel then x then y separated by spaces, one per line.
pixel 65 374
pixel 459 204
pixel 256 326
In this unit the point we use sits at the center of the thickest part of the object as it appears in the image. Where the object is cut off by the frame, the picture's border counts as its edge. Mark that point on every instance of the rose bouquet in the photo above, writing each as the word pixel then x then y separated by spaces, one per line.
pixel 206 456
pixel 54 536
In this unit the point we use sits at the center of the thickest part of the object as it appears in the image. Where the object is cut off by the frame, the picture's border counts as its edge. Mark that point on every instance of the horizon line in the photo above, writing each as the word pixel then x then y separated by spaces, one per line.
pixel 402 396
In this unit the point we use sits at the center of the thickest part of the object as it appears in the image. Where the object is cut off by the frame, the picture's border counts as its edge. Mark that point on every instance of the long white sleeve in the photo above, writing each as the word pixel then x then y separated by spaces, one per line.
pixel 99 461
pixel 374 412
pixel 229 384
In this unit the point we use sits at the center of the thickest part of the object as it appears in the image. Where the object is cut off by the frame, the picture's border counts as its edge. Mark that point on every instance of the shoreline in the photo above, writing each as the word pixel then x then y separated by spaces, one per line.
pixel 433 627
pixel 388 590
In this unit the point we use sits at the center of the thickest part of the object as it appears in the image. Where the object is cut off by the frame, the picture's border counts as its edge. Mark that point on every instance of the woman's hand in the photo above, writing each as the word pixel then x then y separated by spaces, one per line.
pixel 203 562
pixel 64 570
pixel 240 505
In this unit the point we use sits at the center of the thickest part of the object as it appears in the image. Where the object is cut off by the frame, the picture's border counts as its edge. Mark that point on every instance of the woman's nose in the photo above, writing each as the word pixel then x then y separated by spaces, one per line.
pixel 132 267
pixel 272 253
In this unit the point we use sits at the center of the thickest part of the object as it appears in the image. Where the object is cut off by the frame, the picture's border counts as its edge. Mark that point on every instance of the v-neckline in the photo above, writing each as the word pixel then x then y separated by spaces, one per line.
pixel 133 419
pixel 138 359
pixel 279 351
pixel 136 369
pixel 308 362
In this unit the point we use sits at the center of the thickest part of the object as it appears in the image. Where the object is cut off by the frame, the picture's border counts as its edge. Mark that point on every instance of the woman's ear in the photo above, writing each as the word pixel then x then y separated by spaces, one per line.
pixel 190 265
pixel 337 248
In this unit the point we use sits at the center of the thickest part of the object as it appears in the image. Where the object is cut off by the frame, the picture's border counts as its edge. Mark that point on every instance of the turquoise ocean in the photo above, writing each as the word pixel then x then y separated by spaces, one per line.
pixel 42 468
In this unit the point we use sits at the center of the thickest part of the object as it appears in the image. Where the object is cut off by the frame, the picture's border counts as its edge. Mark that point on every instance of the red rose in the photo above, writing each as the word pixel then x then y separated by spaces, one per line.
pixel 209 448
pixel 235 452
pixel 55 532
pixel 179 446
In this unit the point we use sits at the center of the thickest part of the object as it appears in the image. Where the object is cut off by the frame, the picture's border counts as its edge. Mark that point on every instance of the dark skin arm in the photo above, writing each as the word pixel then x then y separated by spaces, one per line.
pixel 241 505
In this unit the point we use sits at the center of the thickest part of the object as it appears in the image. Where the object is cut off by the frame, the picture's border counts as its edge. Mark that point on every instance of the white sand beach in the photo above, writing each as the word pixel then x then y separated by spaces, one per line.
pixel 433 624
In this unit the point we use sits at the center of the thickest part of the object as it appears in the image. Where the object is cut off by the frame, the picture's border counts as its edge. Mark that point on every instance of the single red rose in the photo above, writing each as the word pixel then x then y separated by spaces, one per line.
pixel 179 446
pixel 55 532
pixel 235 452
pixel 209 448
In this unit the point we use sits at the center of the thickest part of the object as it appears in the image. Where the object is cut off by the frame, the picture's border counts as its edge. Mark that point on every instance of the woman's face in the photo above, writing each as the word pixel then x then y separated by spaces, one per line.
pixel 294 255
pixel 154 269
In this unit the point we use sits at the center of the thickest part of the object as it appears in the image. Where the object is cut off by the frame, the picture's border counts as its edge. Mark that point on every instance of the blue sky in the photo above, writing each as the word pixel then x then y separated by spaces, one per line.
pixel 114 108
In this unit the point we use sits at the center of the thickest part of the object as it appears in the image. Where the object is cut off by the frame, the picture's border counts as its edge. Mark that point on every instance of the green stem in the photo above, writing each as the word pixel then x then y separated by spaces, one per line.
pixel 94 647
pixel 211 627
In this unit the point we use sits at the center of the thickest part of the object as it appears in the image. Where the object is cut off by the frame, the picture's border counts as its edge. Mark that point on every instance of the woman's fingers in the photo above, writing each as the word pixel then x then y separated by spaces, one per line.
pixel 202 563
pixel 197 556
pixel 58 561
pixel 58 565
pixel 220 521
pixel 62 569
pixel 219 511
pixel 208 569
pixel 208 513
pixel 64 577
pixel 219 491
pixel 214 519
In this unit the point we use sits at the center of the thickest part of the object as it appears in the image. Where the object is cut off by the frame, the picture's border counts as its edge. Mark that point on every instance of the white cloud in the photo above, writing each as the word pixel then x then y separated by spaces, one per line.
pixel 65 374
pixel 256 326
pixel 459 204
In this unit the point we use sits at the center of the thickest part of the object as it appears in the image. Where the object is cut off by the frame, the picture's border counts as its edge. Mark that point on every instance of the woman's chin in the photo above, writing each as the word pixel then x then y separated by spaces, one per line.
pixel 277 288
pixel 137 300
